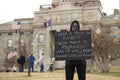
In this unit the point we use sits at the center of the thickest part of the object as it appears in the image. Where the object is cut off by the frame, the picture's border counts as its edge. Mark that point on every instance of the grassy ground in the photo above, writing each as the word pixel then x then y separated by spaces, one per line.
pixel 111 73
pixel 114 71
pixel 56 75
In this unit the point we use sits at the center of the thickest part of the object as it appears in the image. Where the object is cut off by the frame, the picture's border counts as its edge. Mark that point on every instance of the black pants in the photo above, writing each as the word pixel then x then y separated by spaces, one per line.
pixel 81 71
pixel 21 67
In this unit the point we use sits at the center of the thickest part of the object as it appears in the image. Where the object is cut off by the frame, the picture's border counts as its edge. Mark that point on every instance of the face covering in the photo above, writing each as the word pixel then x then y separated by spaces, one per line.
pixel 75 27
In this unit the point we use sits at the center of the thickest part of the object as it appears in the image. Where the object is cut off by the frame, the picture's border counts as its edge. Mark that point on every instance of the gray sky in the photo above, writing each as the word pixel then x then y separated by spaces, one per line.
pixel 13 9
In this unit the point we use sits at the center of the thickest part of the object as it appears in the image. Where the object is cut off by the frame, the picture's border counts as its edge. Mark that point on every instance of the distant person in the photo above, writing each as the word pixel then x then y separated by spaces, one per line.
pixel 41 67
pixel 80 64
pixel 31 60
pixel 21 61
pixel 51 67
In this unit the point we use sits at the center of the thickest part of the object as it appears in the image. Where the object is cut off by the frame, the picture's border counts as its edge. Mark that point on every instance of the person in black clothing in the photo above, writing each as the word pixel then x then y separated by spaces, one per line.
pixel 51 67
pixel 80 65
pixel 42 67
pixel 21 61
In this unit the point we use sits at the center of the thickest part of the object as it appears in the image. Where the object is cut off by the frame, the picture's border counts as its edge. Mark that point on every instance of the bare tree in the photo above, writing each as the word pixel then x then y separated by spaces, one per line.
pixel 105 49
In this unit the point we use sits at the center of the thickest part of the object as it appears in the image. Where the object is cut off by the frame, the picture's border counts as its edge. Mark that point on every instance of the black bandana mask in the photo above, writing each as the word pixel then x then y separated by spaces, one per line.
pixel 75 26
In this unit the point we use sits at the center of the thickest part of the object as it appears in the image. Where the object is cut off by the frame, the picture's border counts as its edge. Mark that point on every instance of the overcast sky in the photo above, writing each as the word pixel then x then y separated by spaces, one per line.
pixel 13 9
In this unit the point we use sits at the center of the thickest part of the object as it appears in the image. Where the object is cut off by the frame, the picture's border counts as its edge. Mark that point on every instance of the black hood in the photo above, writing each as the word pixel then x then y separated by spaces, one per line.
pixel 75 27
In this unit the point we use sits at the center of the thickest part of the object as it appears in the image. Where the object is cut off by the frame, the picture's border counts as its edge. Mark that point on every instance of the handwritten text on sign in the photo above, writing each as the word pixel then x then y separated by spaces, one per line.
pixel 73 45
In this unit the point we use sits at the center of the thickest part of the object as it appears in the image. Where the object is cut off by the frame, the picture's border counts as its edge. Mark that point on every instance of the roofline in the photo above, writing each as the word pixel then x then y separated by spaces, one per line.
pixel 23 19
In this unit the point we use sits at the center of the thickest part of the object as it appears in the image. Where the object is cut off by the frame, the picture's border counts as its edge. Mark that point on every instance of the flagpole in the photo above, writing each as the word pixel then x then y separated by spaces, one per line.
pixel 20 38
pixel 51 36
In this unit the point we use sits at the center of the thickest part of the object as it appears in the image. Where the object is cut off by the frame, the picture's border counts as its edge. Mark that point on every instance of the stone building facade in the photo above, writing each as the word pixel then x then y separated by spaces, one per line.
pixel 60 14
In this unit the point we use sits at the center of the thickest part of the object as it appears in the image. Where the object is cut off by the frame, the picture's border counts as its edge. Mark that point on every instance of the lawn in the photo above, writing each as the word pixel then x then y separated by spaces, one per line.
pixel 114 71
pixel 56 75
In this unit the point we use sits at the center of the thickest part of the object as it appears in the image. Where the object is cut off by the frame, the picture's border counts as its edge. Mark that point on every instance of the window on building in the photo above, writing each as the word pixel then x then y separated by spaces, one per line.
pixel 9 33
pixel 119 36
pixel 22 42
pixel 10 42
pixel 31 32
pixel 21 32
pixel 41 38
pixel 118 27
pixel 0 43
pixel 0 34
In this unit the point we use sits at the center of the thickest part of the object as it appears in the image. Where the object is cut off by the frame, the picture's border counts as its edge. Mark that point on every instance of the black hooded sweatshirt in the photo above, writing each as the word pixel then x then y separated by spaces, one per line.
pixel 75 27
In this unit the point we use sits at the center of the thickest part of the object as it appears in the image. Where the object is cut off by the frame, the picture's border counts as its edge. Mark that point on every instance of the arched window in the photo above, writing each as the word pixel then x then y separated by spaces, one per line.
pixel 119 36
pixel 10 42
pixel 41 38
pixel 22 42
pixel 0 43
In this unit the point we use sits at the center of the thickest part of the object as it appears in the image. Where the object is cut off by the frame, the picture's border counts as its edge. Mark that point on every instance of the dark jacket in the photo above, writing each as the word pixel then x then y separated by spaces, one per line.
pixel 31 59
pixel 75 27
pixel 42 66
pixel 21 60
